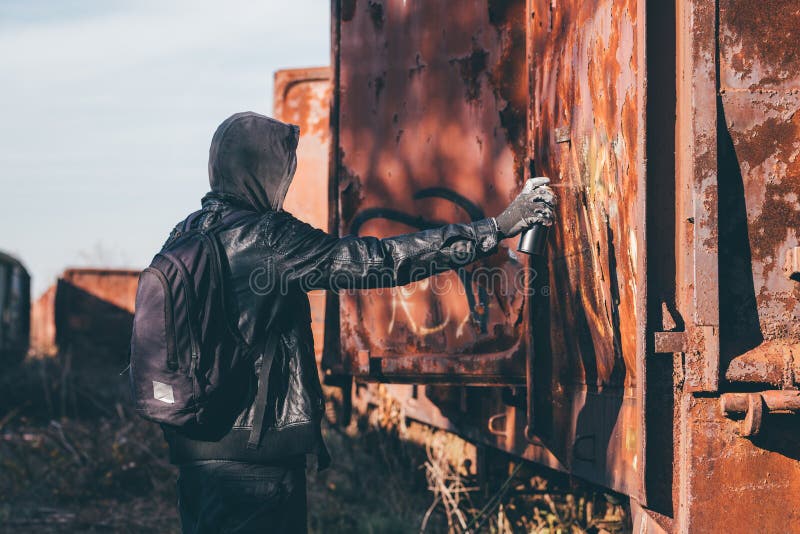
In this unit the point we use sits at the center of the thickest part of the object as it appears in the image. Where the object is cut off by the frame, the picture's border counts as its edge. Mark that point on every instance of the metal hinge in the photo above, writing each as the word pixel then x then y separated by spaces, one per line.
pixel 754 406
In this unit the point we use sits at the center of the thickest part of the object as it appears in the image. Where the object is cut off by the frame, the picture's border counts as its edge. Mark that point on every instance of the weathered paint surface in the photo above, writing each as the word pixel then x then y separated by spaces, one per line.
pixel 726 294
pixel 14 310
pixel 587 135
pixel 439 123
pixel 746 463
pixel 760 85
pixel 696 193
pixel 735 484
pixel 43 323
pixel 432 115
pixel 302 97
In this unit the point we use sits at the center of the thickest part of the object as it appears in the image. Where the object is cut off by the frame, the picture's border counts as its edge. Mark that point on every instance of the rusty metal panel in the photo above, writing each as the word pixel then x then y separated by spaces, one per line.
pixel 731 484
pixel 760 87
pixel 587 125
pixel 427 104
pixel 115 286
pixel 728 301
pixel 745 464
pixel 302 97
pixel 432 114
pixel 697 192
pixel 43 323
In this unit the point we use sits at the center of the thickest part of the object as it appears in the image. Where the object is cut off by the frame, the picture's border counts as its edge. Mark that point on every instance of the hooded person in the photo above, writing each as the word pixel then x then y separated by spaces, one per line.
pixel 253 159
pixel 271 260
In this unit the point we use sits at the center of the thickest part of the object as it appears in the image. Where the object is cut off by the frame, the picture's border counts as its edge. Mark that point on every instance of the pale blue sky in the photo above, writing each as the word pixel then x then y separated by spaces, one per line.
pixel 108 107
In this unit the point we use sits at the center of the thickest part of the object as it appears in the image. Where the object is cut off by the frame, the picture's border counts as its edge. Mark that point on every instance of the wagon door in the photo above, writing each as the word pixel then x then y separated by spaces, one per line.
pixel 587 133
pixel 742 103
pixel 432 104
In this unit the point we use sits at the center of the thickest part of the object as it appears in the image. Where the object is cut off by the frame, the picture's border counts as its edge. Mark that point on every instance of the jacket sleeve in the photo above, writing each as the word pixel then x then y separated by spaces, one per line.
pixel 317 260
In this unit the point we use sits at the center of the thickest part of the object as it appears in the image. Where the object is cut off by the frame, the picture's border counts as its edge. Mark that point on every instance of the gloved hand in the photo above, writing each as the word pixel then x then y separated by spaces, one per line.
pixel 534 205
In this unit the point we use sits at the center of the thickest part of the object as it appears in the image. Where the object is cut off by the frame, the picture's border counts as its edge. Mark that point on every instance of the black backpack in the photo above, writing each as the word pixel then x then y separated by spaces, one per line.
pixel 189 364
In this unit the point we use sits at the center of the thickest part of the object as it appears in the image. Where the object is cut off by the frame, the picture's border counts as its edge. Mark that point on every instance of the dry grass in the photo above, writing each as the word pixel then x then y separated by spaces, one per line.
pixel 78 460
pixel 427 483
pixel 73 458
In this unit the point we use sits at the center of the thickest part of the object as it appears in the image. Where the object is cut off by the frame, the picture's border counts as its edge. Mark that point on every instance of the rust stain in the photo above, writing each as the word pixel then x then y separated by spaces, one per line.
pixel 419 65
pixel 376 15
pixel 760 39
pixel 586 79
pixel 758 482
pixel 773 362
pixel 379 82
pixel 759 81
pixel 780 214
pixel 774 137
pixel 508 77
pixel 348 10
pixel 351 194
pixel 302 97
pixel 765 129
pixel 710 201
pixel 470 68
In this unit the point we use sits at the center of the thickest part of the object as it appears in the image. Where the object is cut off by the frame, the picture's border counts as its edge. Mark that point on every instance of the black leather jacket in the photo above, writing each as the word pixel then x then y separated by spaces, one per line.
pixel 272 260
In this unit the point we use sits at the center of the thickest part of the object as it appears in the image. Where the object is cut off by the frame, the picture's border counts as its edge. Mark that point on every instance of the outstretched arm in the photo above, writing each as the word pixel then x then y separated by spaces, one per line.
pixel 317 260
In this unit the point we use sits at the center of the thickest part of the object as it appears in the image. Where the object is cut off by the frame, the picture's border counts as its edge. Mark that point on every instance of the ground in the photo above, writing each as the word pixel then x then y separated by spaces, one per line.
pixel 74 458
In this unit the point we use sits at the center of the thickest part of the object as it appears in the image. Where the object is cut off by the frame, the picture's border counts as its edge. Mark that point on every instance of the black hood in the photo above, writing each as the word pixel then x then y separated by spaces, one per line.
pixel 253 158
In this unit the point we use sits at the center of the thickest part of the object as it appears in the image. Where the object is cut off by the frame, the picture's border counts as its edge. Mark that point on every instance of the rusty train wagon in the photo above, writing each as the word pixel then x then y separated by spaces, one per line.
pixel 15 298
pixel 88 312
pixel 654 350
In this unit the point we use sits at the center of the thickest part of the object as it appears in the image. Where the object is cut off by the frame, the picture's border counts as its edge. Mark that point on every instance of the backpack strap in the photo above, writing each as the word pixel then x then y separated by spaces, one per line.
pixel 210 235
pixel 271 344
pixel 260 403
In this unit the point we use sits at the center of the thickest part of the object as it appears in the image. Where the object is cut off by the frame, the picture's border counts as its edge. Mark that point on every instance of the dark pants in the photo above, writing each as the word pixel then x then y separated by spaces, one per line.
pixel 221 496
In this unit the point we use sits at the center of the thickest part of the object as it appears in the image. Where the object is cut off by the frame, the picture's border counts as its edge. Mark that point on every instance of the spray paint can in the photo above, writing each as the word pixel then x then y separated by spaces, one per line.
pixel 534 240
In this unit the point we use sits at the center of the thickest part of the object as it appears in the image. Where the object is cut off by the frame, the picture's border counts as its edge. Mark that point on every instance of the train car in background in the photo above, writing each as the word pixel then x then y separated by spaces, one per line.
pixel 88 312
pixel 15 301
pixel 654 350
pixel 302 97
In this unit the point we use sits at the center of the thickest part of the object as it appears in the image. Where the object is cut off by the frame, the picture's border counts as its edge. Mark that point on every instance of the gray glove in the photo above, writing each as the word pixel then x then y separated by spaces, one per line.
pixel 534 205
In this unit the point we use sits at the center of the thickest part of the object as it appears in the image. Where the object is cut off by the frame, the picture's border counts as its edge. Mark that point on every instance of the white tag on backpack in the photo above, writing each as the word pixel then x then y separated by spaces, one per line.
pixel 163 392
